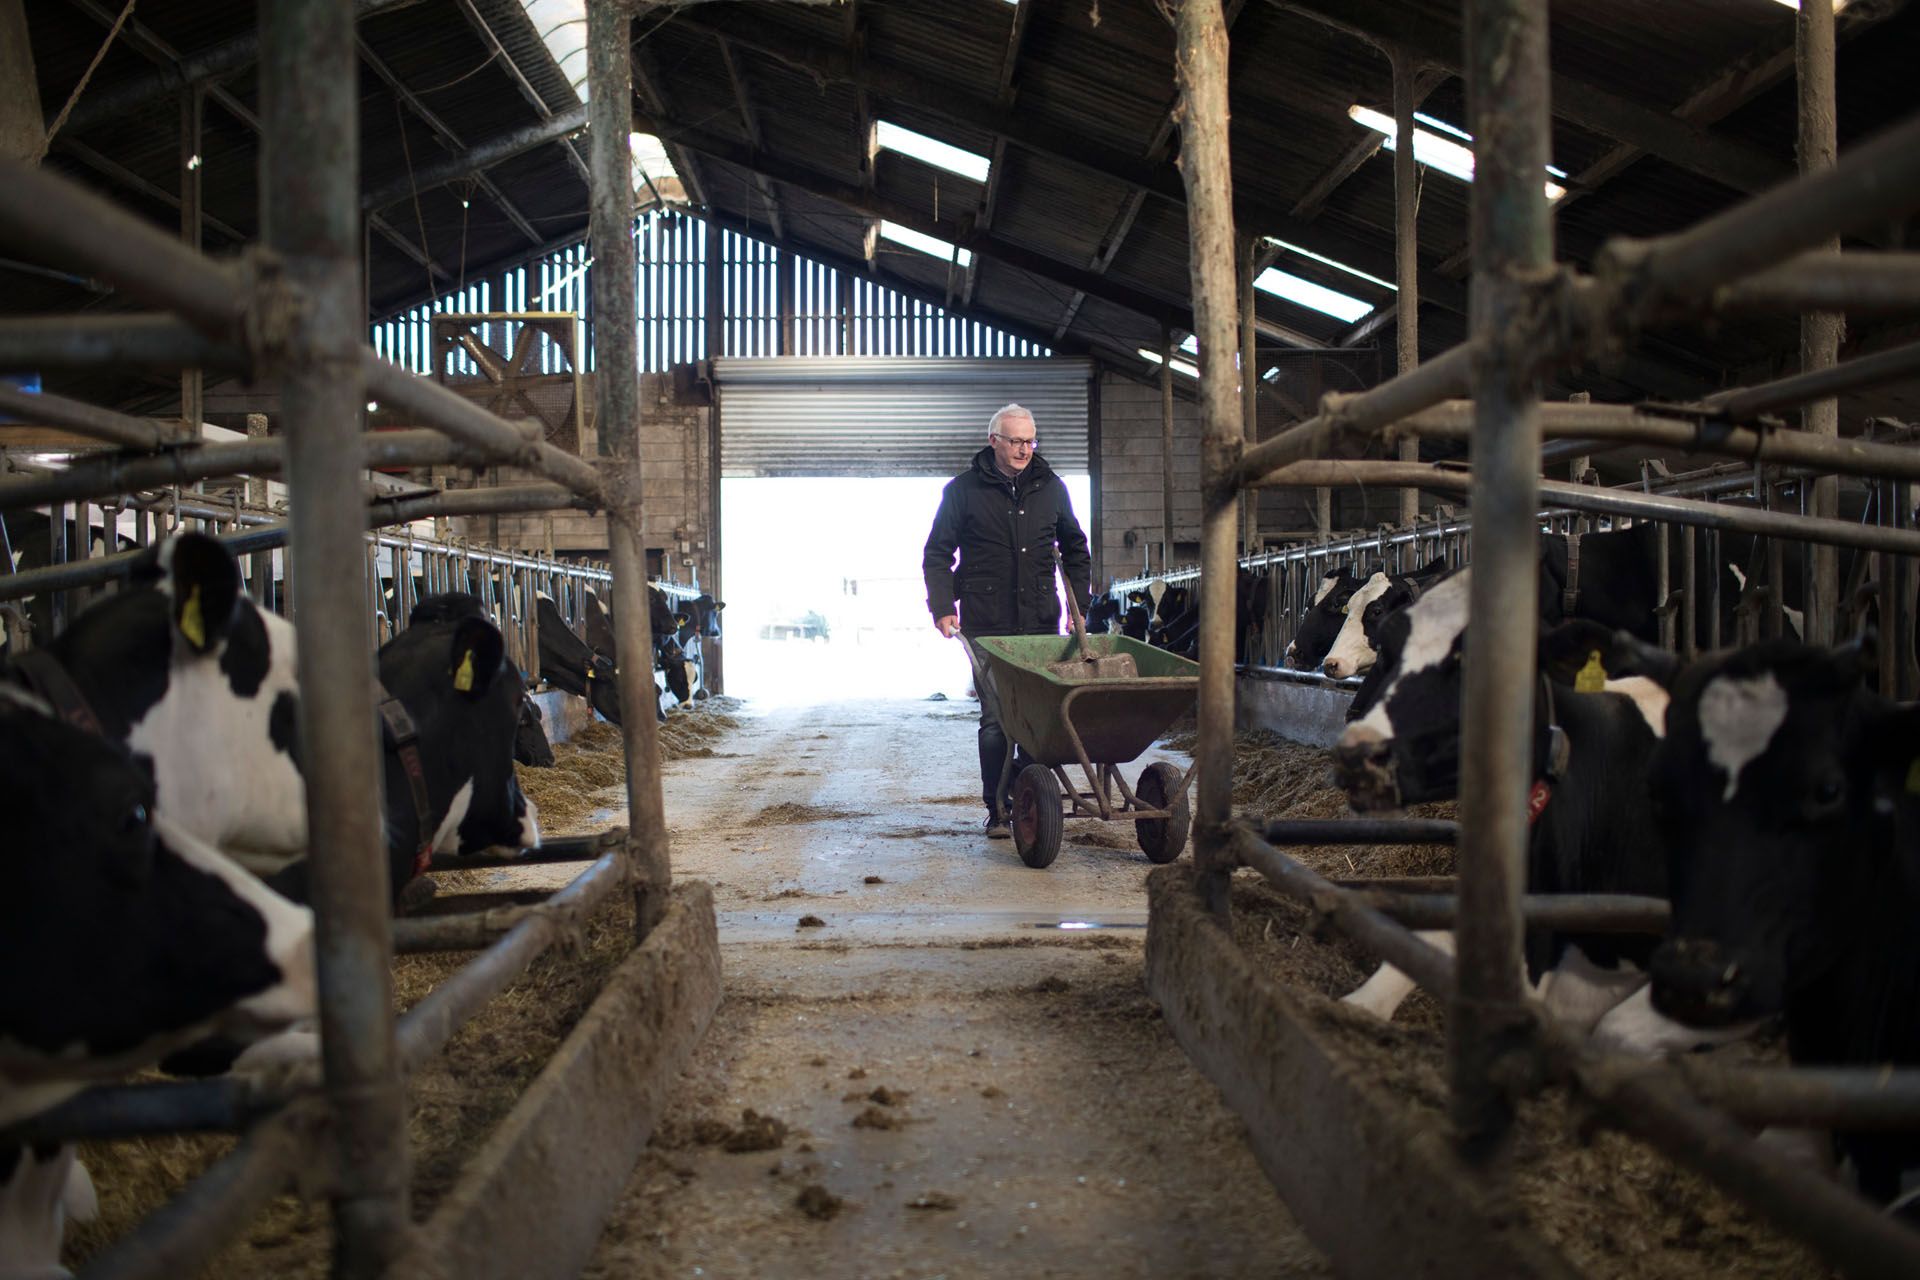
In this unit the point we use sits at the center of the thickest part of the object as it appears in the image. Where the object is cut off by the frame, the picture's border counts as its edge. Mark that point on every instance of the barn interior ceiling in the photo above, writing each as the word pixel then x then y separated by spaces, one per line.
pixel 1068 223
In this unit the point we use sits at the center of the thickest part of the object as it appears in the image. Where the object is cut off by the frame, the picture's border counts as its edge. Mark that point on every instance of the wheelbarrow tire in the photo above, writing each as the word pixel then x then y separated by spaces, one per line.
pixel 1036 818
pixel 1161 839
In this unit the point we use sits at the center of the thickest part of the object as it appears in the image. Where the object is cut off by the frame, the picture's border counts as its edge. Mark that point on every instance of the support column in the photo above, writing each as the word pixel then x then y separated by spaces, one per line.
pixel 192 381
pixel 310 216
pixel 1249 387
pixel 22 126
pixel 617 392
pixel 1488 1027
pixel 1166 449
pixel 1406 240
pixel 715 316
pixel 1200 62
pixel 788 265
pixel 1820 331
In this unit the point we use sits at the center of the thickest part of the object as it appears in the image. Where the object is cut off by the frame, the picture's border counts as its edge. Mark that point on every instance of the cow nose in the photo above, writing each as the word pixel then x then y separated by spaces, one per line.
pixel 1335 668
pixel 1363 768
pixel 1699 982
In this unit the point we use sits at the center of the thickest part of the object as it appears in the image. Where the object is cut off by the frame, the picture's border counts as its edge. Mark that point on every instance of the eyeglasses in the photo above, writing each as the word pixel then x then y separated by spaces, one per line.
pixel 1030 443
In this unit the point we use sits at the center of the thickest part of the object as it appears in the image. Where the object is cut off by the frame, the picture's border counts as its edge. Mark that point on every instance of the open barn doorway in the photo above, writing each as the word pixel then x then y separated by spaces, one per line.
pixel 824 595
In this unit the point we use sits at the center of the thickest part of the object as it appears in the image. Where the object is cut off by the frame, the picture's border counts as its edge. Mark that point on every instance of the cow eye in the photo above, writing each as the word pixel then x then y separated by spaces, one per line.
pixel 135 818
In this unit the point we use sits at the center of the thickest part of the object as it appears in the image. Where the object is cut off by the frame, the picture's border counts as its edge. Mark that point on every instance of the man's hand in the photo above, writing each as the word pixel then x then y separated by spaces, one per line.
pixel 948 626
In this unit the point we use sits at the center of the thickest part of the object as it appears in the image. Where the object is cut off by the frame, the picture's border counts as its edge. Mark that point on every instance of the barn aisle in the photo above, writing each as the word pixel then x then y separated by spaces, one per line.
pixel 943 1082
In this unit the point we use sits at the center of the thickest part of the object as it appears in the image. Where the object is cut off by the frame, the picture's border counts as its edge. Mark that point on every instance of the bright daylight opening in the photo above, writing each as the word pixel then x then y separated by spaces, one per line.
pixel 1178 366
pixel 823 589
pixel 925 243
pixel 940 154
pixel 1433 150
pixel 1317 297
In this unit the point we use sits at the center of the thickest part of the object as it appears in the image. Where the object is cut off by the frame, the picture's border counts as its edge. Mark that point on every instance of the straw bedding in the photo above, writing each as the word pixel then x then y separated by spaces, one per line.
pixel 589 772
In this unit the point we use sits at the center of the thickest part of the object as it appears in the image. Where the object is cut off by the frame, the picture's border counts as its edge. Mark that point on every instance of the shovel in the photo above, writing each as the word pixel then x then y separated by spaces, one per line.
pixel 1117 666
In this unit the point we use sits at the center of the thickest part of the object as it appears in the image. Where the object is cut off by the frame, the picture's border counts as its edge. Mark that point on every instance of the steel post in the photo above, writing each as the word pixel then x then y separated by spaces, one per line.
pixel 105 425
pixel 616 356
pixel 144 342
pixel 1858 284
pixel 1345 416
pixel 1488 1027
pixel 311 219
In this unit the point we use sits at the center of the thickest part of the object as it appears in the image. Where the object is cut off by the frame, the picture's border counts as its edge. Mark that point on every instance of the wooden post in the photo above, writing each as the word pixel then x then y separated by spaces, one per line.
pixel 1166 449
pixel 22 126
pixel 192 381
pixel 1406 234
pixel 1200 66
pixel 787 265
pixel 1820 331
pixel 1249 386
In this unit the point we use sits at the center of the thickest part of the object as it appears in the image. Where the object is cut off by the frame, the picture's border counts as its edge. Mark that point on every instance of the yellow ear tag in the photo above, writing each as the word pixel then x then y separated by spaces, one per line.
pixel 1592 677
pixel 1913 777
pixel 463 674
pixel 192 625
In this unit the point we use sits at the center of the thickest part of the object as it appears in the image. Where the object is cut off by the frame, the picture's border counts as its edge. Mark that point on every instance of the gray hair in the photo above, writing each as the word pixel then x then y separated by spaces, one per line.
pixel 1006 411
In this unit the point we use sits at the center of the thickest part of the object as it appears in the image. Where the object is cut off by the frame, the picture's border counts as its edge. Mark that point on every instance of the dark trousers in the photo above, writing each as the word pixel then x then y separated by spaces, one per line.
pixel 993 754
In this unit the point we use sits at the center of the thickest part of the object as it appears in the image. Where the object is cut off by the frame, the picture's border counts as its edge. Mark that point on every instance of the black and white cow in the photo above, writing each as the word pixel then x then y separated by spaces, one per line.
pixel 1103 615
pixel 1791 796
pixel 668 657
pixel 192 676
pixel 570 663
pixel 1322 621
pixel 1354 645
pixel 1591 827
pixel 530 745
pixel 125 936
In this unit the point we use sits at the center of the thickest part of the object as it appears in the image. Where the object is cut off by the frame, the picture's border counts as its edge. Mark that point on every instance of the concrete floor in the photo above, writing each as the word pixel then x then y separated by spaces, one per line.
pixel 1033 1088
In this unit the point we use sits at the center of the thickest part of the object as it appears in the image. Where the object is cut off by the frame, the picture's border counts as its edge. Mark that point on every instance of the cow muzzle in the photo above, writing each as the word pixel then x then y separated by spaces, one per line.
pixel 1701 983
pixel 1364 768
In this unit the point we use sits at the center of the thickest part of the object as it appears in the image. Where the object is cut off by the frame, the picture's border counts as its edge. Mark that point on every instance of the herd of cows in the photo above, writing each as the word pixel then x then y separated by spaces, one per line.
pixel 1769 792
pixel 156 858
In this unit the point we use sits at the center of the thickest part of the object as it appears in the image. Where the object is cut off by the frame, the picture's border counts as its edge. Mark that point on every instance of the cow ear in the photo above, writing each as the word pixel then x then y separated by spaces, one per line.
pixel 475 658
pixel 205 581
pixel 1860 655
pixel 1431 569
pixel 1638 658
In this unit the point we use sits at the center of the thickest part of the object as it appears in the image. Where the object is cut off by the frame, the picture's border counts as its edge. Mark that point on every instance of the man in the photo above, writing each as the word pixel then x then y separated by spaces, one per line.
pixel 1004 515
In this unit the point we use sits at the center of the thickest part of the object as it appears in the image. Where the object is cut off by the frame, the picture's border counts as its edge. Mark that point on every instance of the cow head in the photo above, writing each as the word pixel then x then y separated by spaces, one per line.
pixel 673 664
pixel 191 674
pixel 139 936
pixel 465 699
pixel 570 663
pixel 530 745
pixel 1322 620
pixel 1781 783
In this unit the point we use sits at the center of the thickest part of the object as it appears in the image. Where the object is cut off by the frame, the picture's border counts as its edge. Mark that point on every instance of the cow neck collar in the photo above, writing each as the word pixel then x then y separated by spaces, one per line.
pixel 44 674
pixel 403 739
pixel 1558 753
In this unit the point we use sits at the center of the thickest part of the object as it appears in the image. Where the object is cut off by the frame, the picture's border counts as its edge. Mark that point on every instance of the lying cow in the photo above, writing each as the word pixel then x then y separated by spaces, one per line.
pixel 567 662
pixel 125 936
pixel 1591 829
pixel 1791 797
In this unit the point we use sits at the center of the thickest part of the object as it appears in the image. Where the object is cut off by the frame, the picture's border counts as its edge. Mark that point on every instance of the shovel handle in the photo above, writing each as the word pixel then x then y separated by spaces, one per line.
pixel 1073 602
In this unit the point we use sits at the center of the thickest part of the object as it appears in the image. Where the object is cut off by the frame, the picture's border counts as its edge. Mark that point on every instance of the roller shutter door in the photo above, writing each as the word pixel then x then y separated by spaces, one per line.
pixel 890 416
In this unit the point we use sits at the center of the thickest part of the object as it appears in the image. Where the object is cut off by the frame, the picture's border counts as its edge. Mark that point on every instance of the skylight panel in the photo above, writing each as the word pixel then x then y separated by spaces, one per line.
pixel 894 137
pixel 1178 366
pixel 1317 297
pixel 925 243
pixel 1434 149
pixel 1337 265
pixel 562 25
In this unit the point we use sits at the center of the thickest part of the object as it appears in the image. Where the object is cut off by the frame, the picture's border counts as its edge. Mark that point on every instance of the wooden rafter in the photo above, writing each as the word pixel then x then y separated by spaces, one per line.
pixel 750 120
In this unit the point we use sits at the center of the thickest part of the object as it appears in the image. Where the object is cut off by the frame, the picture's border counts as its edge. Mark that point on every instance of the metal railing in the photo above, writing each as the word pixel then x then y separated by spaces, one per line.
pixel 293 304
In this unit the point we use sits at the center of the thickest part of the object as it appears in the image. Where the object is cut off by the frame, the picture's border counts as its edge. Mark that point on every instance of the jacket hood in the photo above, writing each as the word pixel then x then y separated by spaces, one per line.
pixel 1036 469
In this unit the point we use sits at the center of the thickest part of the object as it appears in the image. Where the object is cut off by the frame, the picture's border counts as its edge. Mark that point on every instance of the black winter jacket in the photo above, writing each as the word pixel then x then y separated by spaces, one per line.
pixel 1005 531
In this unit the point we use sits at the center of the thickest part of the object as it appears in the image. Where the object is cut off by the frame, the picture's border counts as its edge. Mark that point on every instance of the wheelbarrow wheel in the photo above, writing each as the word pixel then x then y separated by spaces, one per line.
pixel 1161 839
pixel 1036 816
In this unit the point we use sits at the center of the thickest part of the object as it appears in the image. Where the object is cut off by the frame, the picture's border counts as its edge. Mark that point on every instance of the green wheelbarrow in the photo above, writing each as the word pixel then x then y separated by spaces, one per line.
pixel 1097 723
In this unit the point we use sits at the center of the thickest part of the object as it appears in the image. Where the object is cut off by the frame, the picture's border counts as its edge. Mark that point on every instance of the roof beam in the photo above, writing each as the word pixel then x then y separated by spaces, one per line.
pixel 1425 81
pixel 223 59
pixel 1003 94
pixel 873 205
pixel 750 121
pixel 1689 146
pixel 495 150
pixel 646 87
pixel 445 135
pixel 477 21
pixel 1154 175
pixel 134 182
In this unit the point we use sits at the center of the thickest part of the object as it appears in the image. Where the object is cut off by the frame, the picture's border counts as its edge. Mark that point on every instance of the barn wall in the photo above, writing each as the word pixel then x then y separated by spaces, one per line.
pixel 675 475
pixel 1130 469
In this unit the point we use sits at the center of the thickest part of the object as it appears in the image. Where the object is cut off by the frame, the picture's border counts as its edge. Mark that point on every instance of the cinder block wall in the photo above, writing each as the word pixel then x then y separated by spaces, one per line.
pixel 675 467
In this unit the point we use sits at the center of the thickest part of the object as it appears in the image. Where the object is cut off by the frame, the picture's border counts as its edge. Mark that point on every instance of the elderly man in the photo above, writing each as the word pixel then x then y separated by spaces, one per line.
pixel 1004 515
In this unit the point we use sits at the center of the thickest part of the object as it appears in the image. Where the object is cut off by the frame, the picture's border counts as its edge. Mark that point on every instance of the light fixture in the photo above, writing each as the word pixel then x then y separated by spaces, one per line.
pixel 1178 366
pixel 373 406
pixel 942 155
pixel 1303 292
pixel 1433 149
pixel 925 243
pixel 193 162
